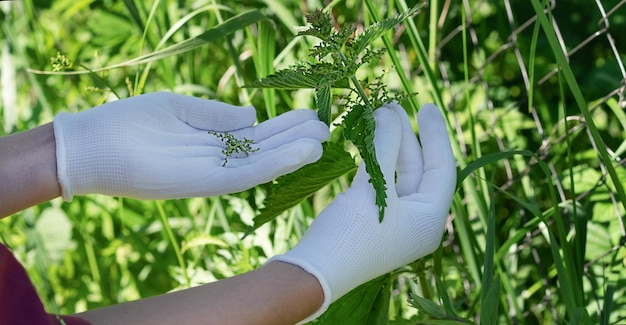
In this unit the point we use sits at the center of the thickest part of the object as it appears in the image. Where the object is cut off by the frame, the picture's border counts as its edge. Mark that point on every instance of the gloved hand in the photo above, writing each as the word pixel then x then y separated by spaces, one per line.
pixel 157 146
pixel 346 245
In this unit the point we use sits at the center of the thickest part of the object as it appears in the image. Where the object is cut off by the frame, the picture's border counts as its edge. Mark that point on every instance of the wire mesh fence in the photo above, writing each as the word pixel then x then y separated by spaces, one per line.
pixel 511 73
pixel 502 90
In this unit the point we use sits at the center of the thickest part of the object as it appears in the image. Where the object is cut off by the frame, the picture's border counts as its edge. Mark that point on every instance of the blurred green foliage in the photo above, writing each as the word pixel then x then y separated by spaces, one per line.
pixel 487 71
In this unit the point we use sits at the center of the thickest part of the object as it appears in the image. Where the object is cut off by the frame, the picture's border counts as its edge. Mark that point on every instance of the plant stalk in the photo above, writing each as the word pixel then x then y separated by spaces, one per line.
pixel 170 235
pixel 356 83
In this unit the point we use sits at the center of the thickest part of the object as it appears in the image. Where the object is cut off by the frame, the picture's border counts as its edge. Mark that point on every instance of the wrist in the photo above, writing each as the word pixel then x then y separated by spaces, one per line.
pixel 28 169
pixel 311 293
pixel 90 153
pixel 311 272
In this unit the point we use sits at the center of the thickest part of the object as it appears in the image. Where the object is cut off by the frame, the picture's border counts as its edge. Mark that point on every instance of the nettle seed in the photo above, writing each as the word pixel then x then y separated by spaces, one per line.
pixel 234 145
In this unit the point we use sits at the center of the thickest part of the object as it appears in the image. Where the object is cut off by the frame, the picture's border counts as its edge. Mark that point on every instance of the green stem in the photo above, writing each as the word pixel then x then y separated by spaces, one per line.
pixel 406 83
pixel 361 91
pixel 170 236
pixel 356 83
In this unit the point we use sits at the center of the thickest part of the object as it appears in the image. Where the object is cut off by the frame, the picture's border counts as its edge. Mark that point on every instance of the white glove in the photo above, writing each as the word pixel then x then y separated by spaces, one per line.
pixel 157 146
pixel 346 245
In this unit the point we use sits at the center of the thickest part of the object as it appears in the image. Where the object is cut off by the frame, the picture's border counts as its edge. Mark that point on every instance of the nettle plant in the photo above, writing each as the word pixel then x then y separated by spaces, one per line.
pixel 332 73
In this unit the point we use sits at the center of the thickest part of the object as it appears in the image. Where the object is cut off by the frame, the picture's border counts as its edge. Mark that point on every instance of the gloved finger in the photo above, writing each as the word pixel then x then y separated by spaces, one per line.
pixel 266 165
pixel 174 161
pixel 172 170
pixel 439 178
pixel 305 121
pixel 207 114
pixel 201 169
pixel 311 129
pixel 180 153
pixel 410 165
pixel 145 134
pixel 387 144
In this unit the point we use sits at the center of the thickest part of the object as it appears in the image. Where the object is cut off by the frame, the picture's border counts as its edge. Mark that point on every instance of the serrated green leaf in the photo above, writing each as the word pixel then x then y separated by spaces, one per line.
pixel 291 189
pixel 322 101
pixel 360 127
pixel 379 313
pixel 303 76
pixel 432 309
pixel 337 63
pixel 428 307
pixel 362 40
pixel 366 304
pixel 320 25
pixel 445 298
pixel 295 78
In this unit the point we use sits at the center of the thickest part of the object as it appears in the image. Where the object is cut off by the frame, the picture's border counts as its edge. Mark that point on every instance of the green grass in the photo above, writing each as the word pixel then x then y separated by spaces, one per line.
pixel 537 231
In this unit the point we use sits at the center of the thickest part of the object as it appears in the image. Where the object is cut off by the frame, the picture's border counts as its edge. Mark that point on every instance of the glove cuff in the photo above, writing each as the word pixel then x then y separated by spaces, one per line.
pixel 61 154
pixel 311 269
pixel 89 155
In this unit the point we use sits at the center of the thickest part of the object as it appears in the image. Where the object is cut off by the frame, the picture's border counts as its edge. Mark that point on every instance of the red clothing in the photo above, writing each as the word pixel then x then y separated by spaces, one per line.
pixel 19 302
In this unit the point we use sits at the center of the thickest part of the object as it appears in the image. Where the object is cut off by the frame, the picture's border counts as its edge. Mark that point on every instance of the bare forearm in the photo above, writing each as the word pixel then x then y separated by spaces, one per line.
pixel 27 169
pixel 277 293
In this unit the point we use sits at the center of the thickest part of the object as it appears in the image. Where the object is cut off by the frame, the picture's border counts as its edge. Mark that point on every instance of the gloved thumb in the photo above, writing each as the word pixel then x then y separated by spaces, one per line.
pixel 210 115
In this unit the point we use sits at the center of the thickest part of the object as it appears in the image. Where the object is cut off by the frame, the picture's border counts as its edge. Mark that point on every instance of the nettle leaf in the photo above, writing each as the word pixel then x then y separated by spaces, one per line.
pixel 366 304
pixel 322 101
pixel 320 25
pixel 298 77
pixel 428 307
pixel 359 128
pixel 374 31
pixel 435 311
pixel 336 61
pixel 331 74
pixel 291 189
pixel 304 76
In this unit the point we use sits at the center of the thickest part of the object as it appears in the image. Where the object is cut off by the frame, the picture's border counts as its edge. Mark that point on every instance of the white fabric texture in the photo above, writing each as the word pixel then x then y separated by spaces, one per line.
pixel 346 245
pixel 157 146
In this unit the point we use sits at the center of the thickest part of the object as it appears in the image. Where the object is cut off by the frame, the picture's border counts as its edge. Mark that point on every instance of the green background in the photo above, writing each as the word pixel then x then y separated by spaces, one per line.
pixel 536 232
